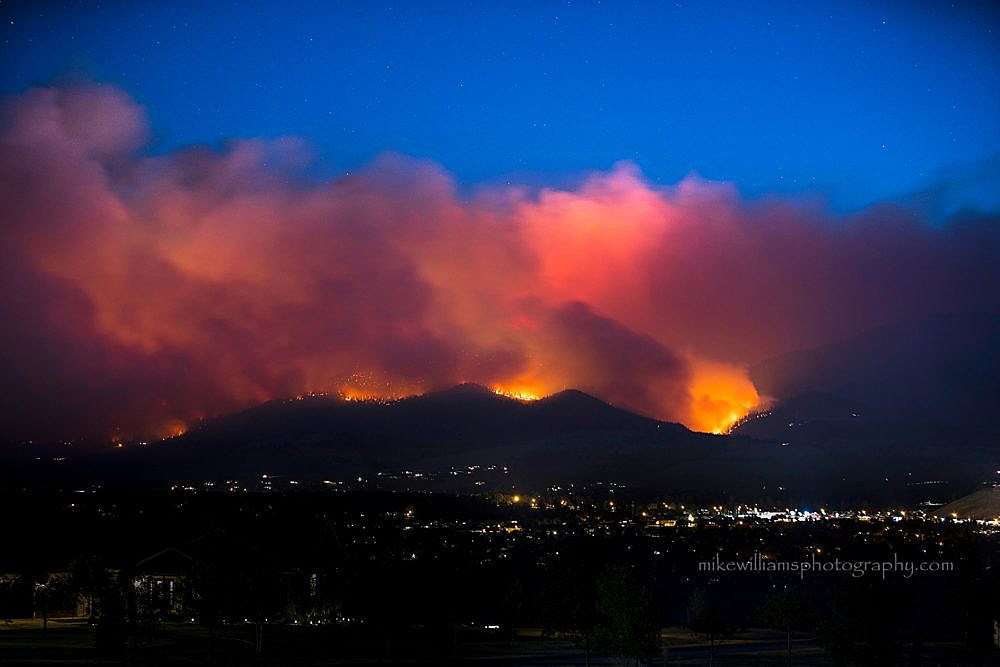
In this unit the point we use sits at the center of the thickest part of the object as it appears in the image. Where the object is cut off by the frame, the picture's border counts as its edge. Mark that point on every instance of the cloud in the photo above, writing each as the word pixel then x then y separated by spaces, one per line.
pixel 141 290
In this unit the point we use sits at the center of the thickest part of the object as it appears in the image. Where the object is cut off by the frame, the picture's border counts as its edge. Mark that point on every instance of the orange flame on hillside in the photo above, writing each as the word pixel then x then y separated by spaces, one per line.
pixel 518 392
pixel 173 429
pixel 721 395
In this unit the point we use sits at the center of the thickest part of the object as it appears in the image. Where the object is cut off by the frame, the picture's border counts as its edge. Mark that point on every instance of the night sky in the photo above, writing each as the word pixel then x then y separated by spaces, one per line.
pixel 853 101
pixel 208 205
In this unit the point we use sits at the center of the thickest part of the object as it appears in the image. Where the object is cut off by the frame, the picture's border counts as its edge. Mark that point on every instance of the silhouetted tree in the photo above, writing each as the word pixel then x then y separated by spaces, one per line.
pixel 788 610
pixel 706 619
pixel 8 593
pixel 862 624
pixel 569 602
pixel 625 625
pixel 569 598
pixel 513 600
pixel 211 597
pixel 114 626
pixel 90 578
pixel 51 593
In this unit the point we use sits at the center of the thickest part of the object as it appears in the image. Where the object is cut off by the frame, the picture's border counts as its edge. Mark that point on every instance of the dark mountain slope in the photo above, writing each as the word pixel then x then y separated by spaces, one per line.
pixel 944 369
pixel 830 456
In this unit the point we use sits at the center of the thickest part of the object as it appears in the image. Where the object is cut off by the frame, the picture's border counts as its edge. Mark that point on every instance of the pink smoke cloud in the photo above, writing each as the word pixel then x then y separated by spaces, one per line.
pixel 141 290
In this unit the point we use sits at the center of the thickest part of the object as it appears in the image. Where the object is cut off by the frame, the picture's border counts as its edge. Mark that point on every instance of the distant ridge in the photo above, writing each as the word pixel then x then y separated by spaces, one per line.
pixel 983 504
pixel 944 368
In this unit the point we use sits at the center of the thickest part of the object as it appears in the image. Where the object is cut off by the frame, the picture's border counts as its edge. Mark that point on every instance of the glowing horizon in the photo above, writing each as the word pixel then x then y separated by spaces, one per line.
pixel 711 422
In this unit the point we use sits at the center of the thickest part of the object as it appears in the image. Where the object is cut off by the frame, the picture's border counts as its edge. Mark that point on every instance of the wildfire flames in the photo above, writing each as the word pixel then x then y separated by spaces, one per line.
pixel 721 395
pixel 517 393
pixel 173 430
pixel 146 289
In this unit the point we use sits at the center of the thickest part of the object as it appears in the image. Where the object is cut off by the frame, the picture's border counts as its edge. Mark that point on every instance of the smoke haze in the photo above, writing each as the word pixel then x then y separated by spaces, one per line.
pixel 142 290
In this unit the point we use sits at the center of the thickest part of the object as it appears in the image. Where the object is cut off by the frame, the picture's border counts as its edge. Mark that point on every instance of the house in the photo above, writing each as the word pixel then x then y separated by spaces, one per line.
pixel 162 581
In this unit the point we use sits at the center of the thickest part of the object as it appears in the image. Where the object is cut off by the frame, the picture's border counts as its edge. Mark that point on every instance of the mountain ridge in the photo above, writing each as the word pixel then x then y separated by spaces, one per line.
pixel 568 438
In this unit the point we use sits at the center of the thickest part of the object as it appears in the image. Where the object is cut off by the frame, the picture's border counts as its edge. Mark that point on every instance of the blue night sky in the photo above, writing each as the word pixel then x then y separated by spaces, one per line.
pixel 857 102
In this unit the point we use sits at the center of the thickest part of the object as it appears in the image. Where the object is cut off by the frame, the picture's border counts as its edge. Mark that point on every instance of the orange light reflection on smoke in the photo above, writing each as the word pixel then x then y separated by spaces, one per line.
pixel 721 395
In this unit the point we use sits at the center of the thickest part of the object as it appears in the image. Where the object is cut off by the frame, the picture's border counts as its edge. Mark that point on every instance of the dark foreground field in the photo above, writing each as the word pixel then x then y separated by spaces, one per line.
pixel 72 643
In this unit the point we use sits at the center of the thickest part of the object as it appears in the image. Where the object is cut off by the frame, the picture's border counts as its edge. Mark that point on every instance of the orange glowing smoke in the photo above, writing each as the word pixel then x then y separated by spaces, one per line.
pixel 147 289
pixel 721 395
pixel 210 281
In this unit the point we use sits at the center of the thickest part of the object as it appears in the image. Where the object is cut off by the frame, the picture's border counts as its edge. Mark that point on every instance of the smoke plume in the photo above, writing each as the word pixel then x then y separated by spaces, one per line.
pixel 141 290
